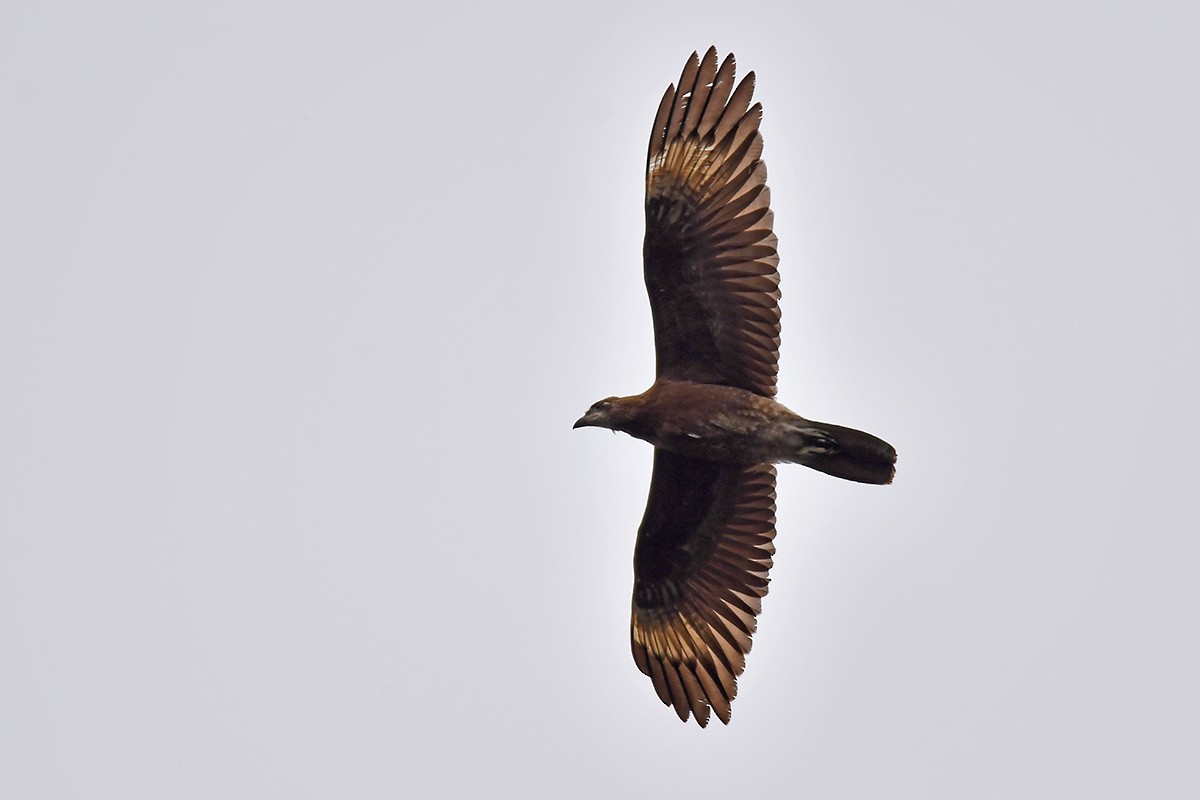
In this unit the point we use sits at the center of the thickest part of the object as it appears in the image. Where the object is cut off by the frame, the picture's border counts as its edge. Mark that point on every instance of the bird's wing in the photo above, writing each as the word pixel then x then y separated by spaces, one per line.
pixel 710 260
pixel 700 572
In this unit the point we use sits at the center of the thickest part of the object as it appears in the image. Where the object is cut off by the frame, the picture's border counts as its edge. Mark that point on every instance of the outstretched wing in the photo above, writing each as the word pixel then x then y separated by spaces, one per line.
pixel 700 572
pixel 710 260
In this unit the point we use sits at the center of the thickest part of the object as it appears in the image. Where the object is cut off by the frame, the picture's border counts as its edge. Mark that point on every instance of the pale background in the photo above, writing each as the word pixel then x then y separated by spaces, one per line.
pixel 299 302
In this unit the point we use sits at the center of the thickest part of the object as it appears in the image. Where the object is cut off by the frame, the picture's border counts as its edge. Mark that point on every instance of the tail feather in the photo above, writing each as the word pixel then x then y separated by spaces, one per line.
pixel 844 453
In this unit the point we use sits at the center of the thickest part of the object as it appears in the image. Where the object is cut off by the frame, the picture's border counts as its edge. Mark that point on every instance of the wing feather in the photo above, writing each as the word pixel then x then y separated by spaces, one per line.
pixel 700 572
pixel 709 230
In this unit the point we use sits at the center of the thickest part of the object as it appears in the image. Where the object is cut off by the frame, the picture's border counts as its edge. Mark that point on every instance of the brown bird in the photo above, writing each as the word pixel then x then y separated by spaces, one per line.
pixel 705 543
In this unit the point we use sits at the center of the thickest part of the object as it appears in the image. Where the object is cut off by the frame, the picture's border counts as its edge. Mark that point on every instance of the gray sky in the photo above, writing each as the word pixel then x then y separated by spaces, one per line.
pixel 298 303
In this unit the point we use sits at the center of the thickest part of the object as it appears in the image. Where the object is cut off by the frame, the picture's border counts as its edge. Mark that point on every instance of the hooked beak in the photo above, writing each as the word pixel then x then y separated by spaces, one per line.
pixel 594 418
pixel 598 416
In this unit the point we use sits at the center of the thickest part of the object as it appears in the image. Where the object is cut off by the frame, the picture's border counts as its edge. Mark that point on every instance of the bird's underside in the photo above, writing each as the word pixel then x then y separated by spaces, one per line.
pixel 729 425
pixel 705 544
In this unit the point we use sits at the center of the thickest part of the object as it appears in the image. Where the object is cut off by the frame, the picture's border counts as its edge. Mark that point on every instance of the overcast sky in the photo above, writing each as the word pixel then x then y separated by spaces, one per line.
pixel 298 302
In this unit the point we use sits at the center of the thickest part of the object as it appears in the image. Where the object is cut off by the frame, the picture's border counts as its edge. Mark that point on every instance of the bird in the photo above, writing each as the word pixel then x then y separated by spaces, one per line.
pixel 706 541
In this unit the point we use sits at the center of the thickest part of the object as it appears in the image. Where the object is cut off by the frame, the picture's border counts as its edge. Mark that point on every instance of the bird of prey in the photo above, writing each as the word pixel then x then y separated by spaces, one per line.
pixel 706 541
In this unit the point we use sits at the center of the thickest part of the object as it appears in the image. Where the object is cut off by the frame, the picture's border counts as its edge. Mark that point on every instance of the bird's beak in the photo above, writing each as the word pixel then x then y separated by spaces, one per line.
pixel 594 418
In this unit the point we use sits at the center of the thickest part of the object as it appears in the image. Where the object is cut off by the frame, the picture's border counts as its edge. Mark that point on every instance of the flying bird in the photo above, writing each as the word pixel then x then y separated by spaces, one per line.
pixel 705 544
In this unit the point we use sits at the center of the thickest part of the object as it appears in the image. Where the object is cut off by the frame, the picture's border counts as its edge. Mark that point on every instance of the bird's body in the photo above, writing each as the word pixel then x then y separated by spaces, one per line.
pixel 734 426
pixel 706 421
pixel 705 544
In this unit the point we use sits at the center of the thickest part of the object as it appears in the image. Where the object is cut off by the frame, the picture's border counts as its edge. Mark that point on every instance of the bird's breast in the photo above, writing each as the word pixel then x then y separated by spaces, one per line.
pixel 712 422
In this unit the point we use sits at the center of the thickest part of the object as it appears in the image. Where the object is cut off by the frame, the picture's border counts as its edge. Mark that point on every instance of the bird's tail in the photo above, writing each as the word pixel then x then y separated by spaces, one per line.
pixel 842 452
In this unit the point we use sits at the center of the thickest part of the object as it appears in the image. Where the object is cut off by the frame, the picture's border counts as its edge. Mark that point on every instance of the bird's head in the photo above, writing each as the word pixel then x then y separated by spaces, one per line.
pixel 606 413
